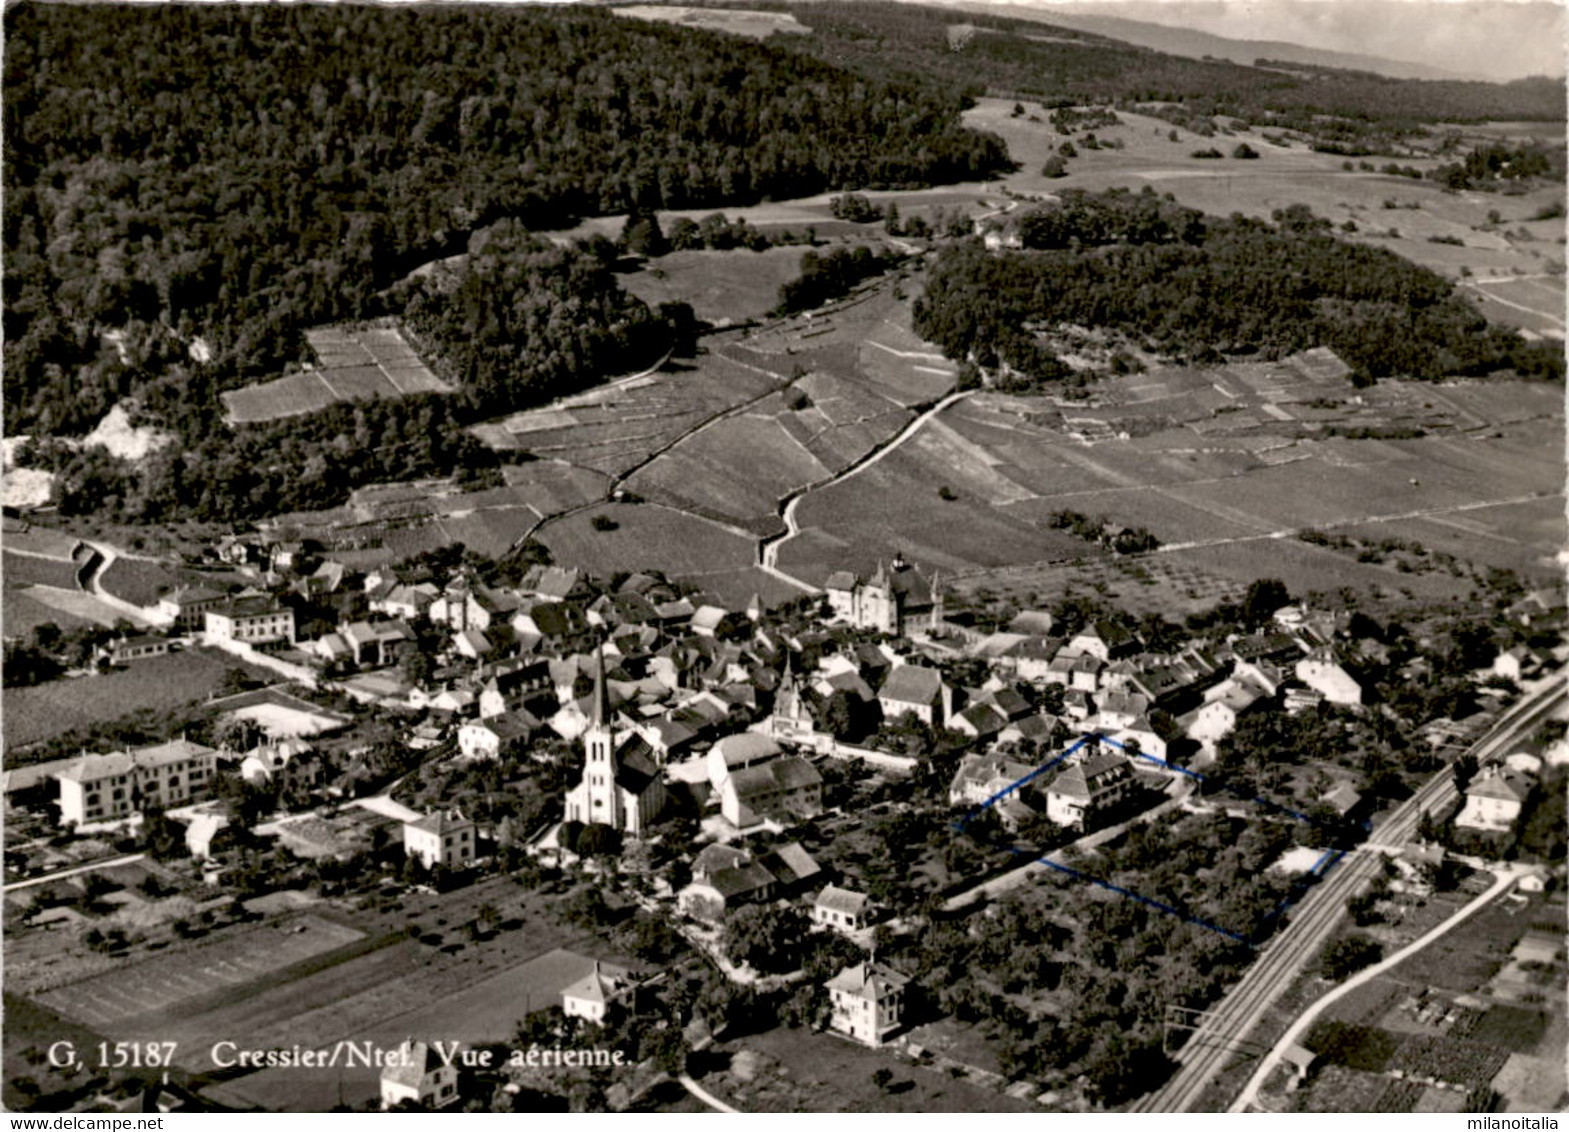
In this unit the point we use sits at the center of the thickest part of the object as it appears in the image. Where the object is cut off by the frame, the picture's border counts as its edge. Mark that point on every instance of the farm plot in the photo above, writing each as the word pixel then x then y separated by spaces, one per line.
pixel 1517 536
pixel 646 536
pixel 737 470
pixel 24 611
pixel 158 683
pixel 487 1011
pixel 164 983
pixel 352 363
pixel 616 427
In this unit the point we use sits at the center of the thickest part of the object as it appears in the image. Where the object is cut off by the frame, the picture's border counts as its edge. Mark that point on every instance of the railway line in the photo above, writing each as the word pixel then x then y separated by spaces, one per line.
pixel 1213 1045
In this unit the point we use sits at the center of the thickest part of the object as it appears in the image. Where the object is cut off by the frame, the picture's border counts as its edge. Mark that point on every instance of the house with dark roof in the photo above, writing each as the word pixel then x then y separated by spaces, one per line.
pixel 919 690
pixel 893 600
pixel 978 721
pixel 1105 640
pixel 498 736
pixel 785 790
pixel 724 877
pixel 1088 787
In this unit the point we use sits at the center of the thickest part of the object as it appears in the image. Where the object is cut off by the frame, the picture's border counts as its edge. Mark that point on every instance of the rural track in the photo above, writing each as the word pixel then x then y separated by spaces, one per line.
pixel 768 548
pixel 1248 1099
pixel 616 482
pixel 1211 1047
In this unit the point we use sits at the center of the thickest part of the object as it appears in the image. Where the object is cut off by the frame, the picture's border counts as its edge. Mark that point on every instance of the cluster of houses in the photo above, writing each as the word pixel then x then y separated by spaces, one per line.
pixel 661 693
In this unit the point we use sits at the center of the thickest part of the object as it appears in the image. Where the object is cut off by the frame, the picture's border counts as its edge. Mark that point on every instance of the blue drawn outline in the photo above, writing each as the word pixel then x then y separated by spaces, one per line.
pixel 1326 862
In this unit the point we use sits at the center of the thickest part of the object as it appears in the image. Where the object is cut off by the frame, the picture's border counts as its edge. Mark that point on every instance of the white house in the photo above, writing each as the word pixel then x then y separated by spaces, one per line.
pixel 867 1002
pixel 1321 673
pixel 592 996
pixel 419 1073
pixel 1493 800
pixel 441 839
pixel 841 909
pixel 102 788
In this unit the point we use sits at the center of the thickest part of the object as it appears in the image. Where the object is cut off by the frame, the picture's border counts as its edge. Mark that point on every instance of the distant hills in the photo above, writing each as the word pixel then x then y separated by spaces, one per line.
pixel 1193 44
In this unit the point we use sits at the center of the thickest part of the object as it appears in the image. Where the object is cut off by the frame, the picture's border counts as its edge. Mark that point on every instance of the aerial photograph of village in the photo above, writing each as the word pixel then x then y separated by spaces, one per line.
pixel 784 556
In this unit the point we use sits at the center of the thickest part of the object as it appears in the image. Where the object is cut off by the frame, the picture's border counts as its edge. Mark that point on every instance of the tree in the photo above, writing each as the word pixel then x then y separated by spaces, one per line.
pixel 764 937
pixel 1055 167
pixel 882 1077
pixel 642 236
pixel 1244 152
pixel 1343 957
pixel 1264 596
pixel 600 840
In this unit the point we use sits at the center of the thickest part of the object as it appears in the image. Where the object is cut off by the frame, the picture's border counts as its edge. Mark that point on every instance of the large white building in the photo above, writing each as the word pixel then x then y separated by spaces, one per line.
pixel 106 788
pixel 441 839
pixel 254 620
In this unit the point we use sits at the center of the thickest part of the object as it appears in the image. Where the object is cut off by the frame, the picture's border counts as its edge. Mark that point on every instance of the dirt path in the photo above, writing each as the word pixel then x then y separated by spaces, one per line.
pixel 768 549
pixel 1354 521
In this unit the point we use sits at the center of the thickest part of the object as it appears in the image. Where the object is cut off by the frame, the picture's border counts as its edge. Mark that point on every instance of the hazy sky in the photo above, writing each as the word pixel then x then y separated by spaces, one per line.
pixel 1498 39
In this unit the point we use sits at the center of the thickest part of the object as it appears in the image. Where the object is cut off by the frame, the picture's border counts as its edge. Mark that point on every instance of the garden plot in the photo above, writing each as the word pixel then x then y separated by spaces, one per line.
pixel 166 982
pixel 352 363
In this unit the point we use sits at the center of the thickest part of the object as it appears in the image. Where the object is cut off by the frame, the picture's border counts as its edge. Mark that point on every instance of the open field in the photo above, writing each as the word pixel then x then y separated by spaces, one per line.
pixel 724 287
pixel 27 607
pixel 353 363
pixel 1284 175
pixel 159 683
pixel 1225 484
pixel 737 21
pixel 489 1010
pixel 647 536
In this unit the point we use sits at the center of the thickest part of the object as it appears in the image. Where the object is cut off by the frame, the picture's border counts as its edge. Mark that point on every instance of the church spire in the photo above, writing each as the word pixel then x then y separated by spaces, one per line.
pixel 599 714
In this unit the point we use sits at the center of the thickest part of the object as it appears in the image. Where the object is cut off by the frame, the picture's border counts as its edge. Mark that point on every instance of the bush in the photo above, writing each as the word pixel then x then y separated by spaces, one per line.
pixel 1244 152
pixel 603 523
pixel 1207 154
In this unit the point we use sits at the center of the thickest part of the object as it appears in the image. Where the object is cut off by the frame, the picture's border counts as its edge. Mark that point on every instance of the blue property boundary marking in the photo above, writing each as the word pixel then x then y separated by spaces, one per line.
pixel 1321 867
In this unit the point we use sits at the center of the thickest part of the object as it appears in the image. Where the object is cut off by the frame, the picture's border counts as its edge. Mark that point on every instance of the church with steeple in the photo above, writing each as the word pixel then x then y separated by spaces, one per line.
pixel 622 785
pixel 897 599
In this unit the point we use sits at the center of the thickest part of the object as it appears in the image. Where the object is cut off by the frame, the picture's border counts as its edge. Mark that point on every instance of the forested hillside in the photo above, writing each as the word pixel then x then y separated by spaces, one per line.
pixel 521 320
pixel 237 172
pixel 1181 283
pixel 960 50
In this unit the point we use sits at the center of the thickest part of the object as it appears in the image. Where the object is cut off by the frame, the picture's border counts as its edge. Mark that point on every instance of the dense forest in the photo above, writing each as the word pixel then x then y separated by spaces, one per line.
pixel 521 320
pixel 237 172
pixel 1198 288
pixel 1014 58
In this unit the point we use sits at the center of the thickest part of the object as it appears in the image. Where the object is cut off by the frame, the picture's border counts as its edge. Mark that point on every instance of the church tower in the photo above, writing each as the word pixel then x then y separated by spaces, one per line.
pixel 937 605
pixel 598 798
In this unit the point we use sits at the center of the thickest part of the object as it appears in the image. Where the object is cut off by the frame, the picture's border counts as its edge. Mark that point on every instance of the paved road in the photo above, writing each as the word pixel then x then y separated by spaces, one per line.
pixel 1503 881
pixel 90 867
pixel 1211 1048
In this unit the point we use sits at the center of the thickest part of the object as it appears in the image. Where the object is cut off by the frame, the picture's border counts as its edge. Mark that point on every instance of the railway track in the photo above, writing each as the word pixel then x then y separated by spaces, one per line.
pixel 1211 1047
